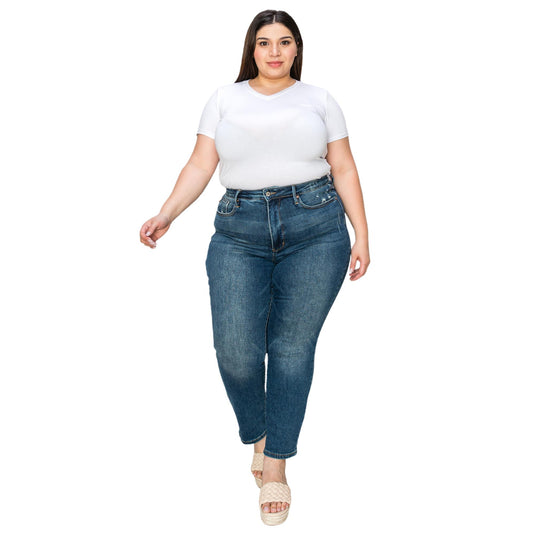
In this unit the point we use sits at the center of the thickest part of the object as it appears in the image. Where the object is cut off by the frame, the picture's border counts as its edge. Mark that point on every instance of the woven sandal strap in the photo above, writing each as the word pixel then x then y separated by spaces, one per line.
pixel 275 491
pixel 258 461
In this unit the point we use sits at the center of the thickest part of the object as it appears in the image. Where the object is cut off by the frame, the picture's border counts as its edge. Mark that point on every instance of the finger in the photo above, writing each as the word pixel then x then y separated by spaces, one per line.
pixel 150 228
pixel 145 228
pixel 150 232
pixel 148 241
pixel 361 271
pixel 142 237
pixel 354 272
pixel 352 263
pixel 146 231
pixel 354 276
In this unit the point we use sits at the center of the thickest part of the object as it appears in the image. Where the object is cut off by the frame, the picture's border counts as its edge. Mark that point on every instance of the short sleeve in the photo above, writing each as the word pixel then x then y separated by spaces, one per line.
pixel 334 120
pixel 210 116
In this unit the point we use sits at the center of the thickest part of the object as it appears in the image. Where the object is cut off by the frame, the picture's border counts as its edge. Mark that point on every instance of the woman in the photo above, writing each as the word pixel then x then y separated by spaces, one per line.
pixel 281 248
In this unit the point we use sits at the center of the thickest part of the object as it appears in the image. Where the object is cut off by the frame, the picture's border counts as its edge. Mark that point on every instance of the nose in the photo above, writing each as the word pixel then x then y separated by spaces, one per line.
pixel 275 50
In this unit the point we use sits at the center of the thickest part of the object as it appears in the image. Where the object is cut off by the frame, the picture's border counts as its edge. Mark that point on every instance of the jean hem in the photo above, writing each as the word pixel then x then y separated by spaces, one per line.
pixel 279 455
pixel 260 437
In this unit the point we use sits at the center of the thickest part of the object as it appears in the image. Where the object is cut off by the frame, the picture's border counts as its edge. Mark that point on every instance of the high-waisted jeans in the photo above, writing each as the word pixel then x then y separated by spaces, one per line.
pixel 275 265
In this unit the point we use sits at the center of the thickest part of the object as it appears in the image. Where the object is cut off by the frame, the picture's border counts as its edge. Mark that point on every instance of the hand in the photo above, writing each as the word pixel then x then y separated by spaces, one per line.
pixel 359 252
pixel 154 229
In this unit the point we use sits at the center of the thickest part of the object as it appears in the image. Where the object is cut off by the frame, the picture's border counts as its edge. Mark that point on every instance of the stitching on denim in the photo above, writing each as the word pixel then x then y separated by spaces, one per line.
pixel 227 202
pixel 341 216
pixel 279 455
pixel 260 437
pixel 282 232
pixel 313 187
pixel 294 194
pixel 269 225
pixel 268 314
pixel 341 279
pixel 236 198
pixel 260 196
pixel 315 206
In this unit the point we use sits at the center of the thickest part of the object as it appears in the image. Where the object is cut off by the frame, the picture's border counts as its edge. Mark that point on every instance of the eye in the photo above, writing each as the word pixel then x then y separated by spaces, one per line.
pixel 286 41
pixel 262 43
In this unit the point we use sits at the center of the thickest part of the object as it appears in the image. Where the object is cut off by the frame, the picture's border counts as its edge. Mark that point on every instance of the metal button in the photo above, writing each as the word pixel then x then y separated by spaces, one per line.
pixel 268 193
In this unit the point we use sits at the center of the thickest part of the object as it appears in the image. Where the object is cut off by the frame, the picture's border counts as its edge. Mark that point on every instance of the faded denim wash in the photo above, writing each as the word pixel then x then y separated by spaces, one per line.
pixel 275 265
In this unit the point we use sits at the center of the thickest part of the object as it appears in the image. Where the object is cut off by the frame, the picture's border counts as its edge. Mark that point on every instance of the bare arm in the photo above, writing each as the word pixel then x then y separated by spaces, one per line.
pixel 347 184
pixel 193 179
pixel 191 182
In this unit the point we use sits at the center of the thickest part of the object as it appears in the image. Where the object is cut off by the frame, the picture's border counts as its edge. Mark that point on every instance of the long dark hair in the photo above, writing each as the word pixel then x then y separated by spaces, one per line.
pixel 248 67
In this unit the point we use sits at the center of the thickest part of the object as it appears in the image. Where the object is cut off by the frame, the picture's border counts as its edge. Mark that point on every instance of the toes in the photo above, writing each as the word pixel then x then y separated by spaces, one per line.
pixel 270 507
pixel 274 507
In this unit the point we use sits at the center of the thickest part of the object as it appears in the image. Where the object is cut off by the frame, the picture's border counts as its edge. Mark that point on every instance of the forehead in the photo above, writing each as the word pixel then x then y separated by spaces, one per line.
pixel 273 31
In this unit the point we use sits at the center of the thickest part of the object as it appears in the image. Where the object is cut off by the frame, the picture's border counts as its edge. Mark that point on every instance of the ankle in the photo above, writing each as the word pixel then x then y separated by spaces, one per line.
pixel 274 467
pixel 271 461
pixel 259 446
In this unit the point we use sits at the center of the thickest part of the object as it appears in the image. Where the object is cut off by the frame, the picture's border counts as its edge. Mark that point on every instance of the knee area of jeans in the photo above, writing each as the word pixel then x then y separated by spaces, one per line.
pixel 238 347
pixel 297 369
pixel 239 370
pixel 301 344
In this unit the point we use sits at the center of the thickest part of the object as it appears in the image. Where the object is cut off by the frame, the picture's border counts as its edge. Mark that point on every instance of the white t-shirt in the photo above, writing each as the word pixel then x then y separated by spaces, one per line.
pixel 271 140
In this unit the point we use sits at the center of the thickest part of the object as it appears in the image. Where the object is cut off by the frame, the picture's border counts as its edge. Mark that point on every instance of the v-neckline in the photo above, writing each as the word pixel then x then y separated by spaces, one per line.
pixel 273 95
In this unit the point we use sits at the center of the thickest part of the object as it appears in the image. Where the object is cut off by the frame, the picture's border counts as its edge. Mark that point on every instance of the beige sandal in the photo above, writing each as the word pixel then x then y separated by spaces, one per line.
pixel 274 491
pixel 258 464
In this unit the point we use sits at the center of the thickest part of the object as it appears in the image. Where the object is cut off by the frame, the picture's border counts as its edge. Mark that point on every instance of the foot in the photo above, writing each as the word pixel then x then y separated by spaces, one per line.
pixel 274 470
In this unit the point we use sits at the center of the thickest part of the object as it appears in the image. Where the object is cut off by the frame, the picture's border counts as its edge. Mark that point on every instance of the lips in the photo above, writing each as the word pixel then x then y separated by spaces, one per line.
pixel 274 63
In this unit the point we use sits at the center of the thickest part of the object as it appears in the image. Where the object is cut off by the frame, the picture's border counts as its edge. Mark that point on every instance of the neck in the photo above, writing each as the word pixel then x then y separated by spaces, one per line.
pixel 272 83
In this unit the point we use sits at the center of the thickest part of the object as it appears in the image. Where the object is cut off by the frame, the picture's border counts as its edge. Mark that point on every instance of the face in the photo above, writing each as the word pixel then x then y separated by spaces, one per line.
pixel 275 50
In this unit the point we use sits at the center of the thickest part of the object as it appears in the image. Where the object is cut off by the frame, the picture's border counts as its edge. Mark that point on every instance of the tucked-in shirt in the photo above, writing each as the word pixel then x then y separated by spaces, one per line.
pixel 271 140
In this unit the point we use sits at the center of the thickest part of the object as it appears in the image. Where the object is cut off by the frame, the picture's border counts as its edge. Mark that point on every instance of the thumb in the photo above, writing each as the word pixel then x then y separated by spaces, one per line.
pixel 353 262
pixel 151 228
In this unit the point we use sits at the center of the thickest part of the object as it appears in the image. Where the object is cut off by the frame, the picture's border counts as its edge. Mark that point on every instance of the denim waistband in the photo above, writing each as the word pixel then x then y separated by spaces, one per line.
pixel 275 192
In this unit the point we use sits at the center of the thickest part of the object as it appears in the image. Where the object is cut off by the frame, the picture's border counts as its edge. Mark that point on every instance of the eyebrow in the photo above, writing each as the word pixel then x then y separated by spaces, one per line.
pixel 286 37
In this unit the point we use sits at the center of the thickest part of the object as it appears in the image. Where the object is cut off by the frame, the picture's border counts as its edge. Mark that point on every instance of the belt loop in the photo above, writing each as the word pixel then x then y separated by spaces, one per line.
pixel 238 191
pixel 294 193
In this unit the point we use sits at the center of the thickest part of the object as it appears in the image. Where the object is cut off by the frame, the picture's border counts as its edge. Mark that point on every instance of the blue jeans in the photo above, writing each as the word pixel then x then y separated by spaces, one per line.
pixel 275 265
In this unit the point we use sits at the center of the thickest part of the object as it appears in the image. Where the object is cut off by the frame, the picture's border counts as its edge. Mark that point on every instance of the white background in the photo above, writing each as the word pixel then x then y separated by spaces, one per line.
pixel 113 415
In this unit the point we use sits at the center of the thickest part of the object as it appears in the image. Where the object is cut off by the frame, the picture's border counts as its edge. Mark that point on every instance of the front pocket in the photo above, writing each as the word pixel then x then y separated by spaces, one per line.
pixel 318 197
pixel 227 206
